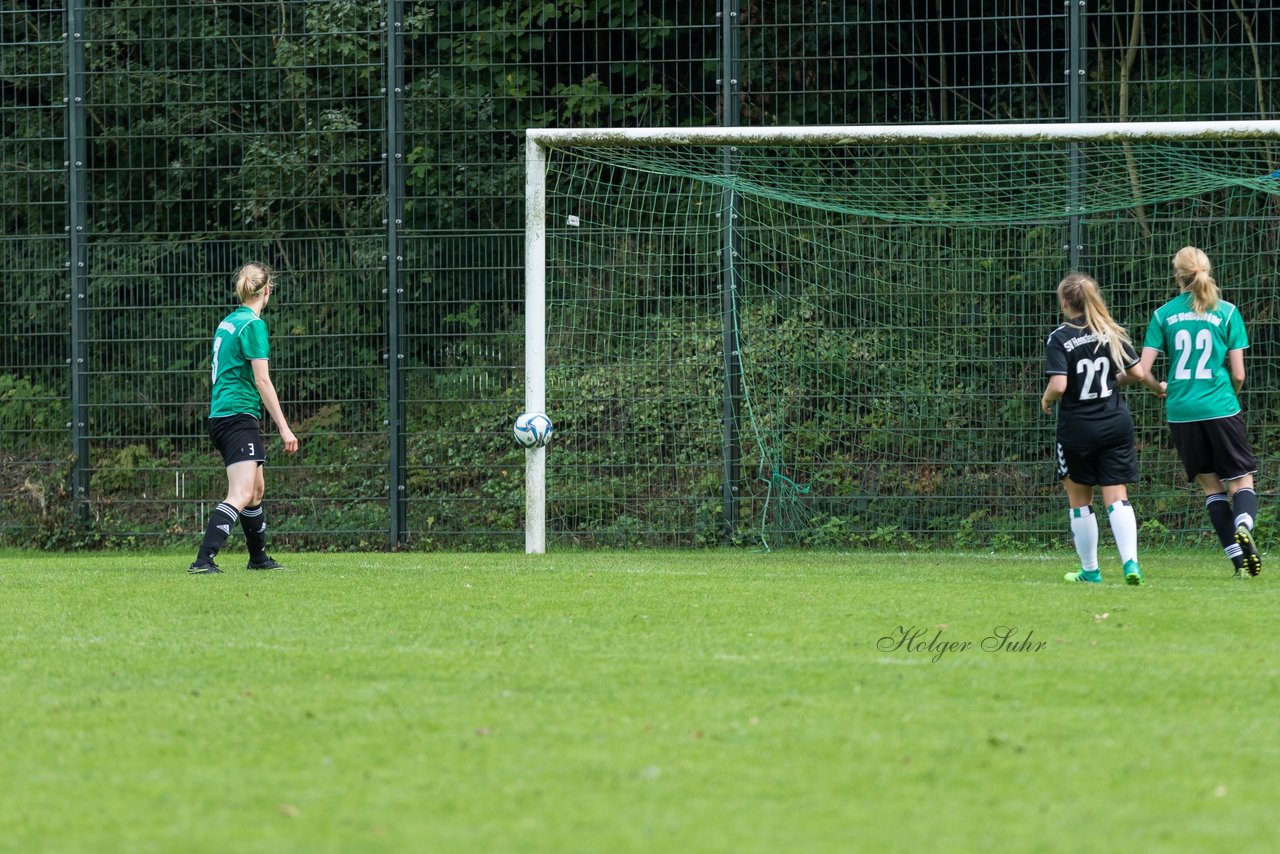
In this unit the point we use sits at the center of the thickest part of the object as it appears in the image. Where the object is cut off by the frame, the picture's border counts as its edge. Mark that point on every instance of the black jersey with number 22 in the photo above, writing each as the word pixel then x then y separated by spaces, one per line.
pixel 1092 412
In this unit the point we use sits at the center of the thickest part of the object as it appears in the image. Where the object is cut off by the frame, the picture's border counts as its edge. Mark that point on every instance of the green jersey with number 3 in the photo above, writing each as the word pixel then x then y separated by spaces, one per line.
pixel 239 338
pixel 1199 384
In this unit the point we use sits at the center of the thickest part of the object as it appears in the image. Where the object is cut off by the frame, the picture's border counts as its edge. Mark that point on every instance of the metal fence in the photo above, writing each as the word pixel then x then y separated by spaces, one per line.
pixel 370 150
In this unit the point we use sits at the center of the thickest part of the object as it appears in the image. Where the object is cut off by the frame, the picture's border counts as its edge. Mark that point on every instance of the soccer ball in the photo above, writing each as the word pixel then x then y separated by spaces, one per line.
pixel 533 429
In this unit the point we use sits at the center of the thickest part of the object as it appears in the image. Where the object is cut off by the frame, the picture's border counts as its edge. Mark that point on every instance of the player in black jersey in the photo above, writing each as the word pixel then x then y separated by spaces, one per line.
pixel 1087 360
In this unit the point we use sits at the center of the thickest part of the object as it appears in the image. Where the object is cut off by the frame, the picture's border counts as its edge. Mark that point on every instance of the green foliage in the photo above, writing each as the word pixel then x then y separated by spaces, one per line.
pixel 124 470
pixel 34 416
pixel 218 132
pixel 36 505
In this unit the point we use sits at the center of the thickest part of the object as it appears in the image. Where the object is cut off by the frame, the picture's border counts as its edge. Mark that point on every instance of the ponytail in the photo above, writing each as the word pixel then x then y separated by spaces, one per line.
pixel 1191 269
pixel 252 280
pixel 1081 294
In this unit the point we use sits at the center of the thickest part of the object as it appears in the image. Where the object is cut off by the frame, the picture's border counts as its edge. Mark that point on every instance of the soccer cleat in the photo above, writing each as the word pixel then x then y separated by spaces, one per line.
pixel 1132 575
pixel 203 567
pixel 1248 550
pixel 267 563
pixel 1089 576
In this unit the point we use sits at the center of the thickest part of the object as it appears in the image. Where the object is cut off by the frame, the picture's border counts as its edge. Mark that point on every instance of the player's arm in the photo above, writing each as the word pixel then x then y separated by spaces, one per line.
pixel 1235 364
pixel 1053 392
pixel 270 400
pixel 1135 373
pixel 1148 379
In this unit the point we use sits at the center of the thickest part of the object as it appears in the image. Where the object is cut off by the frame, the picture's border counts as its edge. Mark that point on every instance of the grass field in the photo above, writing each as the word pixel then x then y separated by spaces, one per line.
pixel 636 701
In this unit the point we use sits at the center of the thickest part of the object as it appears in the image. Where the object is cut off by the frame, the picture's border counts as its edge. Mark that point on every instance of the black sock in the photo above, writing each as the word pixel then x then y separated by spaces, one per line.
pixel 1224 525
pixel 216 532
pixel 254 525
pixel 1245 503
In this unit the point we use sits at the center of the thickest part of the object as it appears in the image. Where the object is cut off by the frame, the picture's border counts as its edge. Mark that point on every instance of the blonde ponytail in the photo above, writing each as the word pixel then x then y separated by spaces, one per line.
pixel 1191 268
pixel 1081 294
pixel 252 280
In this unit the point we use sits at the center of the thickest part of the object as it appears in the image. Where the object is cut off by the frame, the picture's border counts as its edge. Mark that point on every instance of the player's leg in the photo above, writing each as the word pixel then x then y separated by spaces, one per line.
pixel 1084 525
pixel 254 524
pixel 1244 512
pixel 1124 527
pixel 1244 499
pixel 238 440
pixel 1234 461
pixel 1218 505
pixel 1117 467
pixel 224 515
pixel 1195 450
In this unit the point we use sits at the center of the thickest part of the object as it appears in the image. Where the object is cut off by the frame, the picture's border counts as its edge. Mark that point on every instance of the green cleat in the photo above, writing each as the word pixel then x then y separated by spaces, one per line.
pixel 1248 550
pixel 1132 575
pixel 1089 576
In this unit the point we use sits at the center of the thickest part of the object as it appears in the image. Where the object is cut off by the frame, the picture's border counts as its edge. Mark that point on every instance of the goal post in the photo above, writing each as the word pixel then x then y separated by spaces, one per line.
pixel 535 341
pixel 892 286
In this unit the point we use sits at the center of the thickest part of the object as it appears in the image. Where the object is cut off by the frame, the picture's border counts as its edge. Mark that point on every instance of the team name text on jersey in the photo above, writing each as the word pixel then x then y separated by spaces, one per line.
pixel 1192 316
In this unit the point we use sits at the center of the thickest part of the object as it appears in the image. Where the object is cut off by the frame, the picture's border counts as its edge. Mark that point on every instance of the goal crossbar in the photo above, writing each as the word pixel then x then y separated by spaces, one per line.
pixel 906 134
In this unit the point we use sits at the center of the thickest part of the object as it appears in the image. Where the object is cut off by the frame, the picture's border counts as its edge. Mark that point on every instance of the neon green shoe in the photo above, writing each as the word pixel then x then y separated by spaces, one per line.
pixel 1132 575
pixel 1089 576
pixel 1252 560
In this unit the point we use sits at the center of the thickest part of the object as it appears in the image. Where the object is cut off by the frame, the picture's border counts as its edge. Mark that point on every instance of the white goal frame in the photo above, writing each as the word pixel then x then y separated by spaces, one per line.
pixel 539 140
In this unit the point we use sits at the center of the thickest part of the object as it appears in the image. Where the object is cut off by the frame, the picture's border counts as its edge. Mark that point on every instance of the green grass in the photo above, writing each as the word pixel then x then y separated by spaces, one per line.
pixel 634 701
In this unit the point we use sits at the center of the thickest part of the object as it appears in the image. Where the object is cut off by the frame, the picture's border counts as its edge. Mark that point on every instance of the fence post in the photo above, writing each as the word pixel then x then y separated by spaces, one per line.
pixel 729 246
pixel 77 252
pixel 1076 79
pixel 394 257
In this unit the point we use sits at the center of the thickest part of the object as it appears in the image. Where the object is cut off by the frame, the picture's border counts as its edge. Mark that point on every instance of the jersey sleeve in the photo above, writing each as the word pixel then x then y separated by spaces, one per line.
pixel 1130 356
pixel 1237 337
pixel 1155 334
pixel 253 341
pixel 1055 357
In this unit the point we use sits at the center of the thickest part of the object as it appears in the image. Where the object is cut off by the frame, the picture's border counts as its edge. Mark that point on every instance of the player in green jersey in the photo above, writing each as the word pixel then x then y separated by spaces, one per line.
pixel 1204 337
pixel 242 387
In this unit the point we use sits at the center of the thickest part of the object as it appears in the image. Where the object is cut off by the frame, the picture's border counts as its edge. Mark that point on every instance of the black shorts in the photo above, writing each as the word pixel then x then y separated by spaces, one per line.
pixel 1219 446
pixel 238 438
pixel 1108 466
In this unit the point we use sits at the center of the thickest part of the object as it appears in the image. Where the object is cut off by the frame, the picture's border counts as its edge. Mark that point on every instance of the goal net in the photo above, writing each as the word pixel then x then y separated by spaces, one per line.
pixel 834 336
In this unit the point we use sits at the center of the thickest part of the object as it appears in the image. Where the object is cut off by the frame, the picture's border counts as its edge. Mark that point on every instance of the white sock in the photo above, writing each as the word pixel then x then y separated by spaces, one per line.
pixel 1084 528
pixel 1124 526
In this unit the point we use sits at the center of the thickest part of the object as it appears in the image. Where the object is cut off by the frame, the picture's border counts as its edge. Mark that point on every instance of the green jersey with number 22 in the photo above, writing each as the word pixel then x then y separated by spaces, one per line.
pixel 1197 343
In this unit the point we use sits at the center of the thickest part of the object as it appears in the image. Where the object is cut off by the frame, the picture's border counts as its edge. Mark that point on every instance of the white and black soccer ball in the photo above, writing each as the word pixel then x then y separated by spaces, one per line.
pixel 533 429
